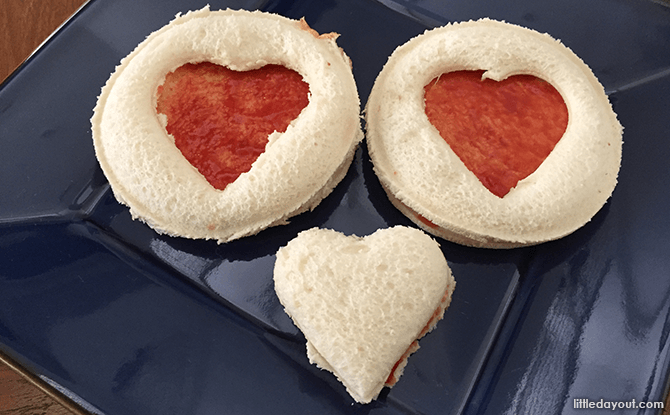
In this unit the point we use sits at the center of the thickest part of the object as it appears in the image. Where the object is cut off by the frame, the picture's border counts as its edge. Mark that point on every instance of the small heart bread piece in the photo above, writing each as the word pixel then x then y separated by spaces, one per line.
pixel 298 167
pixel 430 184
pixel 363 302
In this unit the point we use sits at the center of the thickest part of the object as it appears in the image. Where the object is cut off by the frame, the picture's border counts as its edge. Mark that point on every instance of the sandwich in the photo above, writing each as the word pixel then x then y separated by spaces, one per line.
pixel 157 131
pixel 362 303
pixel 492 135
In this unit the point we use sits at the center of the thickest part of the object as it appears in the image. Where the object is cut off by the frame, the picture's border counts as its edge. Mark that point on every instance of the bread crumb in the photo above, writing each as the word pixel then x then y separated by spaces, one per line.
pixel 305 26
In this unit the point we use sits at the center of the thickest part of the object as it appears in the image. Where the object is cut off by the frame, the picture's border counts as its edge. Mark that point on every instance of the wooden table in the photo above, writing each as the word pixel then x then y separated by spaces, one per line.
pixel 24 25
pixel 23 394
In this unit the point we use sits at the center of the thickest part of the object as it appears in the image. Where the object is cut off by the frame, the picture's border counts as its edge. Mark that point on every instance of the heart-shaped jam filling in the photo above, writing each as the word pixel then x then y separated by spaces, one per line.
pixel 221 119
pixel 502 131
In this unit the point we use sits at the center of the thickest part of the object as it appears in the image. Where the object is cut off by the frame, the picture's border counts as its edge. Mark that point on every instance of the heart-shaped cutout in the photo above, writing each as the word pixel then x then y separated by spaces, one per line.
pixel 363 302
pixel 221 119
pixel 502 131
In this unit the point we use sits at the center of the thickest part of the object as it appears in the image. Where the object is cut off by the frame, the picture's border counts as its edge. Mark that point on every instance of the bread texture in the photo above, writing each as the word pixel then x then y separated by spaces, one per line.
pixel 362 302
pixel 298 168
pixel 429 183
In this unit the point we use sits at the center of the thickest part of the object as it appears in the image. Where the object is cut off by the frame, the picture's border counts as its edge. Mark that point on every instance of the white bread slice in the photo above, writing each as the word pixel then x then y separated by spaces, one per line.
pixel 362 302
pixel 298 168
pixel 429 183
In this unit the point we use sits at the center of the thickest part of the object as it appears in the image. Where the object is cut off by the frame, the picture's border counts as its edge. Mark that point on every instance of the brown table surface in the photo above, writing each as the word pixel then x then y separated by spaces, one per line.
pixel 24 25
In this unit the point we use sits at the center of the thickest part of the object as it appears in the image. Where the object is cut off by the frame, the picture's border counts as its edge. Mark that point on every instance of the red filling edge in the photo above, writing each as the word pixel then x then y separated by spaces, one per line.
pixel 399 366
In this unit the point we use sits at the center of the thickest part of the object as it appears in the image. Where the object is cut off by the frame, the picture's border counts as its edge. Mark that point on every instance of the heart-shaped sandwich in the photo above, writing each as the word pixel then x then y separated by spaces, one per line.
pixel 492 135
pixel 223 123
pixel 362 303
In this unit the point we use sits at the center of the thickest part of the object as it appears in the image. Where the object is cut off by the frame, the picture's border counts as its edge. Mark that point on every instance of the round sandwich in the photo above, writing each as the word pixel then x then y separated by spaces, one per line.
pixel 224 123
pixel 363 302
pixel 492 135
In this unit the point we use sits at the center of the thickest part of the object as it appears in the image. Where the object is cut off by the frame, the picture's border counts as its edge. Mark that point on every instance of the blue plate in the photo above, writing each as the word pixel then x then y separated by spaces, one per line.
pixel 126 321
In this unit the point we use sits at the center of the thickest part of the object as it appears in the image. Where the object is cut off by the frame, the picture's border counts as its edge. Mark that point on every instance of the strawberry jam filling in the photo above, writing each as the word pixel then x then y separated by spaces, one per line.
pixel 392 378
pixel 502 131
pixel 221 119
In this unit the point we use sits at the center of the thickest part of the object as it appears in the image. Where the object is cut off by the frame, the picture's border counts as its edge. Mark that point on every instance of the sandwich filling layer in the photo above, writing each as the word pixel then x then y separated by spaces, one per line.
pixel 502 131
pixel 221 119
pixel 399 367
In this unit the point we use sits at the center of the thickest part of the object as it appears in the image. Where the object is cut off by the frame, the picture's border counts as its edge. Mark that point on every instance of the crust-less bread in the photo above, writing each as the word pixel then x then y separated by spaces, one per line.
pixel 362 302
pixel 298 168
pixel 428 182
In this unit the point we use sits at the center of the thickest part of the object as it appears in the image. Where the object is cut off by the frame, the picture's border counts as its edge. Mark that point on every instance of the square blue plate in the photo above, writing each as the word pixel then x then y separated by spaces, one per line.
pixel 126 321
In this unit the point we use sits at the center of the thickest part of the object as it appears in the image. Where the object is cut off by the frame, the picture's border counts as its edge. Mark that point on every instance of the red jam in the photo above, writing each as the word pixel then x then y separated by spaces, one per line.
pixel 502 131
pixel 392 379
pixel 221 119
